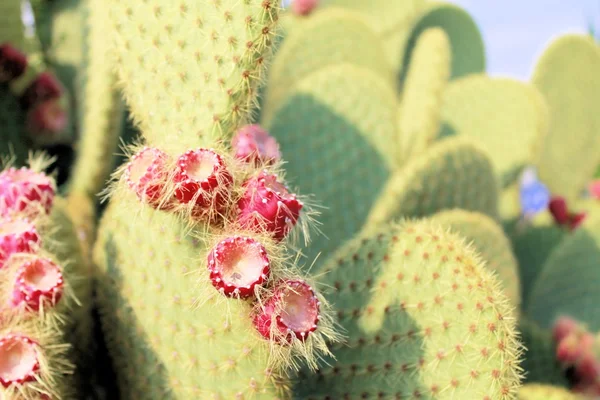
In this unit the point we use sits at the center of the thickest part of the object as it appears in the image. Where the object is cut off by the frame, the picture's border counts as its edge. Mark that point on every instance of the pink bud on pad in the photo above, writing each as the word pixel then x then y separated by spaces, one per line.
pixel 304 7
pixel 294 309
pixel 18 360
pixel 39 281
pixel 17 236
pixel 253 144
pixel 202 177
pixel 267 205
pixel 146 174
pixel 25 191
pixel 237 265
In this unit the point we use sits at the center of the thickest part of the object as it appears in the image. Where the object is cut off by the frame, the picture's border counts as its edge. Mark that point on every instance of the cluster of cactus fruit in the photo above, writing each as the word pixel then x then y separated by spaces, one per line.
pixel 443 242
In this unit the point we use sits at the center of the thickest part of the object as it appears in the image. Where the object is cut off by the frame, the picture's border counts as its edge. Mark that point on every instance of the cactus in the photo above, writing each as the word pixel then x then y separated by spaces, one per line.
pixel 398 293
pixel 546 392
pixel 570 88
pixel 491 242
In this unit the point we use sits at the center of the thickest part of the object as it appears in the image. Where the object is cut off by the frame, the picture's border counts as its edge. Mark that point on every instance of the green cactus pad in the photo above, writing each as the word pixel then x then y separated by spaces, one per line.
pixel 102 113
pixel 566 74
pixel 504 115
pixel 532 244
pixel 539 359
pixel 426 81
pixel 546 392
pixel 468 52
pixel 391 20
pixel 338 146
pixel 423 318
pixel 328 37
pixel 164 344
pixel 568 283
pixel 453 173
pixel 489 240
pixel 190 71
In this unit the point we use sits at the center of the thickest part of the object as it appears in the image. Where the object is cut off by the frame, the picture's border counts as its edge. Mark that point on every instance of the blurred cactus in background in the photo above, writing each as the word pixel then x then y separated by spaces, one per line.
pixel 311 200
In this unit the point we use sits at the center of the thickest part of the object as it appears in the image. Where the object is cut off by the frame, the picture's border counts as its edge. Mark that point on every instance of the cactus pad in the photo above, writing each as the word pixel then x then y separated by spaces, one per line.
pixel 426 81
pixel 453 173
pixel 567 157
pixel 568 283
pixel 489 240
pixel 305 50
pixel 190 71
pixel 338 146
pixel 546 392
pixel 423 318
pixel 505 116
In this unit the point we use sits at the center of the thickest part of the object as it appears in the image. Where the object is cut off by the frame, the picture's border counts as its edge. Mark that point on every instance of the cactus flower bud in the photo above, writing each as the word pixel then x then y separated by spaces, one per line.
pixel 146 174
pixel 292 311
pixel 202 177
pixel 18 360
pixel 253 144
pixel 44 87
pixel 39 281
pixel 17 236
pixel 47 118
pixel 558 209
pixel 237 265
pixel 25 191
pixel 268 205
pixel 12 63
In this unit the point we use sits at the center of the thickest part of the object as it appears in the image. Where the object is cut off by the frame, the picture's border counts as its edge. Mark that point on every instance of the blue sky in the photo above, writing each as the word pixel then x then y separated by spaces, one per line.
pixel 516 31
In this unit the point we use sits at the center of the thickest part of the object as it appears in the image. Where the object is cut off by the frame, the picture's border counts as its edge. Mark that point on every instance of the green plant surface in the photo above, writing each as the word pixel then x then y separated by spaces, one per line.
pixel 338 146
pixel 424 319
pixel 568 155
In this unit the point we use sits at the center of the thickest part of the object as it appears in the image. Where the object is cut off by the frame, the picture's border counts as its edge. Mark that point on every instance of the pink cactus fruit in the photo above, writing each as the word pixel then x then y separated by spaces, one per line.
pixel 17 236
pixel 594 189
pixel 563 327
pixel 44 87
pixel 267 205
pixel 238 265
pixel 25 191
pixel 18 359
pixel 39 282
pixel 12 63
pixel 47 118
pixel 293 311
pixel 146 174
pixel 587 368
pixel 253 144
pixel 569 350
pixel 304 7
pixel 203 177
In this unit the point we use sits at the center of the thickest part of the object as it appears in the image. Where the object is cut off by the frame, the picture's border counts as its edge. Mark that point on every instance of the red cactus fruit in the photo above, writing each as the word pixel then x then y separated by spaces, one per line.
pixel 17 236
pixel 304 7
pixel 559 210
pixel 202 177
pixel 569 350
pixel 563 327
pixel 253 144
pixel 294 308
pixel 587 368
pixel 146 174
pixel 576 219
pixel 12 63
pixel 18 360
pixel 237 265
pixel 268 205
pixel 39 281
pixel 47 118
pixel 44 87
pixel 594 189
pixel 25 191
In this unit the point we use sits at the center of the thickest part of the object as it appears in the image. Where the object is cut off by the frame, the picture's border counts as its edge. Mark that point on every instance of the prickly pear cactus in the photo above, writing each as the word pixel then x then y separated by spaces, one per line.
pixel 546 392
pixel 423 318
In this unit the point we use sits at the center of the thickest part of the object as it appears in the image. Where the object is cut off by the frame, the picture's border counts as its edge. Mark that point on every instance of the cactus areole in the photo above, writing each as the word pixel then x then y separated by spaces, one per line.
pixel 18 360
pixel 292 312
pixel 237 265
